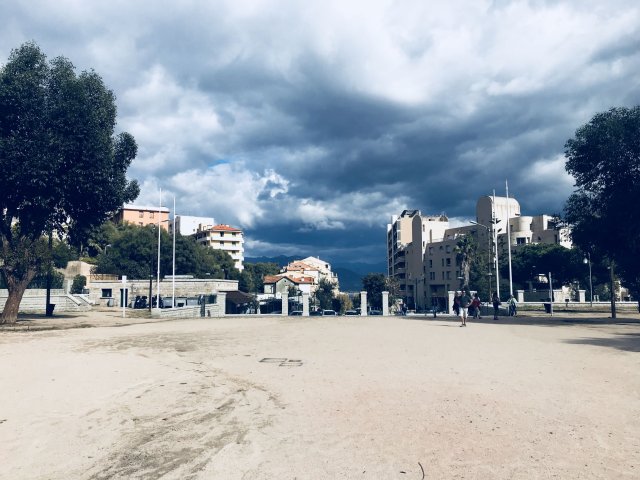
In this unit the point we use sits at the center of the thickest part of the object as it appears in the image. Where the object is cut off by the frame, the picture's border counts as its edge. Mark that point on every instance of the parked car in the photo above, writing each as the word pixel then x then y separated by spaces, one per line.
pixel 351 312
pixel 296 313
pixel 375 312
pixel 329 313
pixel 316 313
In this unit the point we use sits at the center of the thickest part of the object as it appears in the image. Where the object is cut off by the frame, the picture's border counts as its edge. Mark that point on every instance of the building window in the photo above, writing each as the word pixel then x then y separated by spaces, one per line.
pixel 448 275
pixel 430 263
pixel 430 250
pixel 442 260
pixel 448 248
pixel 443 275
pixel 521 241
pixel 140 214
pixel 432 275
pixel 107 293
pixel 151 214
pixel 448 262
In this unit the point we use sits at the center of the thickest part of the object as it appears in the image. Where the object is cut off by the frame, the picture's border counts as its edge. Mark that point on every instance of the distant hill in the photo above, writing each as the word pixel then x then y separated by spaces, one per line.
pixel 349 273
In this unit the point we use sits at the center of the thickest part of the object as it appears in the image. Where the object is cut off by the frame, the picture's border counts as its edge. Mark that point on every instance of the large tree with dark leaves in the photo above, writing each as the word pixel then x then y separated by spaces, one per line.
pixel 63 168
pixel 604 211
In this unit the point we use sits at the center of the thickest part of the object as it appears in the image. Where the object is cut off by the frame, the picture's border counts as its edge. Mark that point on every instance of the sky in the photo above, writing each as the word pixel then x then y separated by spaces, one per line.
pixel 309 123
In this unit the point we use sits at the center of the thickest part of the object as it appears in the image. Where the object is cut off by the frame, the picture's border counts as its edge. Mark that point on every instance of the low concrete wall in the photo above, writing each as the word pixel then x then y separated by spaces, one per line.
pixel 34 300
pixel 184 288
pixel 210 310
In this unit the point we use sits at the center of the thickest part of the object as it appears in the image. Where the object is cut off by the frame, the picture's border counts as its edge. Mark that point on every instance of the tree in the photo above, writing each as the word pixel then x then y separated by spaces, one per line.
pixel 465 253
pixel 133 251
pixel 63 169
pixel 79 282
pixel 252 277
pixel 603 213
pixel 374 284
pixel 324 294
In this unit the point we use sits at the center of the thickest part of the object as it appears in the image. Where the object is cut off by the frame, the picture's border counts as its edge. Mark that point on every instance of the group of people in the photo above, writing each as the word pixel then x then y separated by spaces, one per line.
pixel 464 306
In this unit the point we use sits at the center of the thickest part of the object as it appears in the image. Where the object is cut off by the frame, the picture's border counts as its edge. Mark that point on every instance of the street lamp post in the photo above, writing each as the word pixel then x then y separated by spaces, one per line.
pixel 551 294
pixel 490 251
pixel 587 260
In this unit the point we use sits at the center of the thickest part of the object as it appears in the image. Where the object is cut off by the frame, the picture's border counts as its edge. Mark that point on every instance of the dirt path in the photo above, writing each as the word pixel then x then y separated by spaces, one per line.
pixel 316 398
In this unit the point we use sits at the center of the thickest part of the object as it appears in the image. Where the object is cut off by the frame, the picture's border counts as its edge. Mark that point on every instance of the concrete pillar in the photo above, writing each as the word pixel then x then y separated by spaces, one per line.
pixel 451 294
pixel 363 304
pixel 285 305
pixel 520 296
pixel 385 304
pixel 221 299
pixel 305 304
pixel 581 296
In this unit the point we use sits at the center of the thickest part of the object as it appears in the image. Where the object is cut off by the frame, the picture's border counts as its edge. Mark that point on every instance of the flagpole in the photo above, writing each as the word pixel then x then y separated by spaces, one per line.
pixel 173 276
pixel 495 243
pixel 158 272
pixel 506 183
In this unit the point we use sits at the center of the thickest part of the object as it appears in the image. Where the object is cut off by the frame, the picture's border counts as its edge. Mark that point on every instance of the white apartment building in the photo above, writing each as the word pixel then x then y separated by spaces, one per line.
pixel 188 225
pixel 421 249
pixel 306 273
pixel 223 237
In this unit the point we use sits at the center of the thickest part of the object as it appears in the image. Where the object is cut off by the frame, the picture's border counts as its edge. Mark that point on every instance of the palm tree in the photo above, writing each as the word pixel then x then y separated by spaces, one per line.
pixel 465 253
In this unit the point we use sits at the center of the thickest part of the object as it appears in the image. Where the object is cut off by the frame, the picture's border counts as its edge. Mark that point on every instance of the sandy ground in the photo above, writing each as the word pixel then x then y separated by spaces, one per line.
pixel 321 398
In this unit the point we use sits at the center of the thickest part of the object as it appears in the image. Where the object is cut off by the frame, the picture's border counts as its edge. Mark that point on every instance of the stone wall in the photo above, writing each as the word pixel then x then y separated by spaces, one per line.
pixel 210 310
pixel 184 288
pixel 34 300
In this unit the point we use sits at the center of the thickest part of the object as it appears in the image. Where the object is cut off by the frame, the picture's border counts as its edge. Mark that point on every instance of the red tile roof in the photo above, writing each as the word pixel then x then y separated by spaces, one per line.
pixel 226 228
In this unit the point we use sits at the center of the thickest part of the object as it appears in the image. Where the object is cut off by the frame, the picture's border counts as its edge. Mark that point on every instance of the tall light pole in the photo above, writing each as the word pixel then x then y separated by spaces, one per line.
pixel 173 276
pixel 489 251
pixel 551 293
pixel 509 239
pixel 587 260
pixel 494 231
pixel 158 283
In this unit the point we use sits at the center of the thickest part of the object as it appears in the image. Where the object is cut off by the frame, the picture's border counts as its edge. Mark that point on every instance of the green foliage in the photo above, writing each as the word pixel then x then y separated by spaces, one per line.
pixel 374 284
pixel 603 213
pixel 79 282
pixel 63 168
pixel 252 277
pixel 344 303
pixel 133 252
pixel 465 249
pixel 479 278
pixel 63 253
pixel 324 294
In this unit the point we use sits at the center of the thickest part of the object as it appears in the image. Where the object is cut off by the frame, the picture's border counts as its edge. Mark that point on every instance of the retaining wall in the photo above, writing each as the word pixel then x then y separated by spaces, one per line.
pixel 34 300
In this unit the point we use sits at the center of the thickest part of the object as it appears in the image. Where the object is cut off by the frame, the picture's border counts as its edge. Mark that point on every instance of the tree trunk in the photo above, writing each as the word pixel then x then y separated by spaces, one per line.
pixel 16 287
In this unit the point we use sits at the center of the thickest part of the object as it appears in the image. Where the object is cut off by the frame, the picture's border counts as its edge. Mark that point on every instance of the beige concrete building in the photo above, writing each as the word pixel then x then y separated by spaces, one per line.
pixel 421 253
pixel 143 215
pixel 225 238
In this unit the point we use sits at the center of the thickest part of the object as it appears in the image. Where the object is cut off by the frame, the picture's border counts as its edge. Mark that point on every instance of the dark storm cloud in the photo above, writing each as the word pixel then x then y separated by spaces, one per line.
pixel 309 124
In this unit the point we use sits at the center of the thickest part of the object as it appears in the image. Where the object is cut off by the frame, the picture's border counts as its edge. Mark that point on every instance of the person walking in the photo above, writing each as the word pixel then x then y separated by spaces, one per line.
pixel 456 304
pixel 513 306
pixel 495 299
pixel 465 303
pixel 475 305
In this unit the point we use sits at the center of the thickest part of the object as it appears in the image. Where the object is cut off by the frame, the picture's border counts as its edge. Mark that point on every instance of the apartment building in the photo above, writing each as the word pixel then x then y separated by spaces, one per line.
pixel 223 237
pixel 404 255
pixel 427 268
pixel 188 225
pixel 143 215
pixel 305 274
